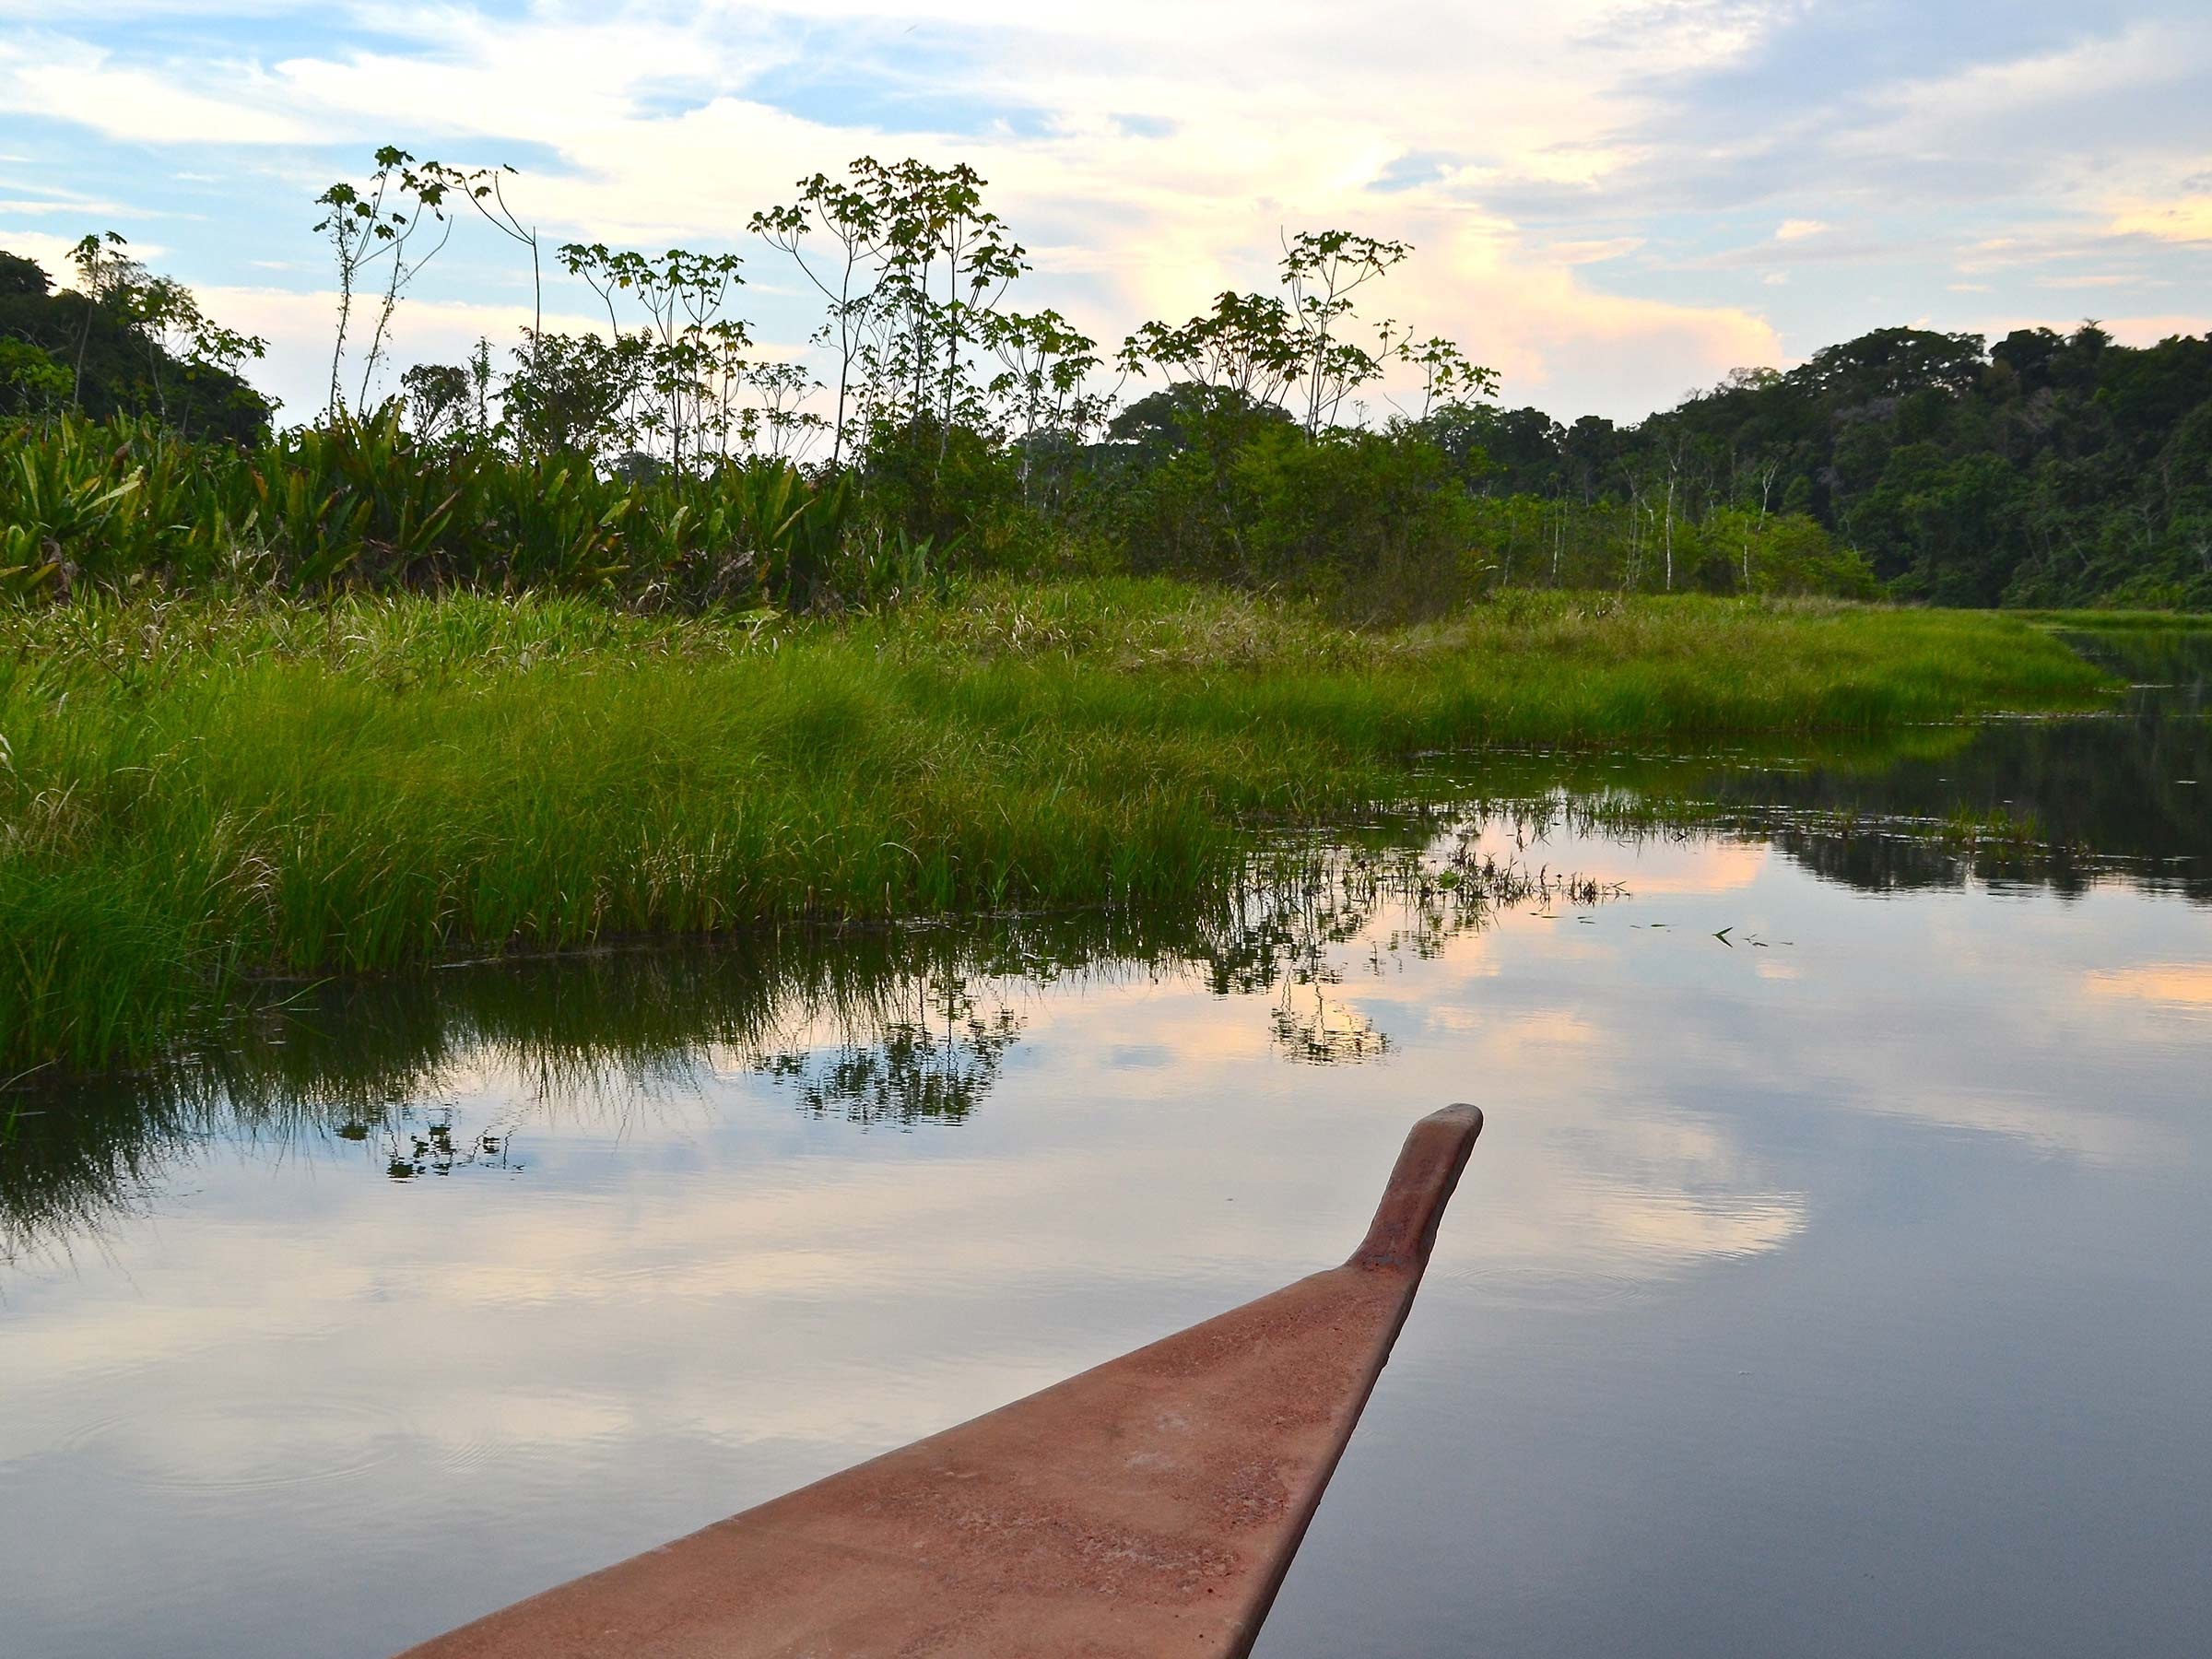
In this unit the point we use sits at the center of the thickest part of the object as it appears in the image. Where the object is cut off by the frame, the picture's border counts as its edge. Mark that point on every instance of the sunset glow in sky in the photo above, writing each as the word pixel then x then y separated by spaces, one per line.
pixel 1613 201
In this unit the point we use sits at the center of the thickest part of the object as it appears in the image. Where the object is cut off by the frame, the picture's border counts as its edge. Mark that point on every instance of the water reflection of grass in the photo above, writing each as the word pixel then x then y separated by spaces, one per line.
pixel 1861 845
pixel 196 795
pixel 882 1026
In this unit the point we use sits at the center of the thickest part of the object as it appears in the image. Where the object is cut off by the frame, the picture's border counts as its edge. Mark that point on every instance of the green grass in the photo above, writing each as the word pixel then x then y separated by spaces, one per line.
pixel 198 795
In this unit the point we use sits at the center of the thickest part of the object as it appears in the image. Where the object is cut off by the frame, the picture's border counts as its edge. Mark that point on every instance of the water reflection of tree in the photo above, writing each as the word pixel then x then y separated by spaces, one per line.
pixel 933 1067
pixel 2057 803
pixel 1290 934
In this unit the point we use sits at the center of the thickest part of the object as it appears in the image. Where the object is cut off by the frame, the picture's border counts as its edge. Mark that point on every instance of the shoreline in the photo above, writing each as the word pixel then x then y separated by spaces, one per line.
pixel 202 793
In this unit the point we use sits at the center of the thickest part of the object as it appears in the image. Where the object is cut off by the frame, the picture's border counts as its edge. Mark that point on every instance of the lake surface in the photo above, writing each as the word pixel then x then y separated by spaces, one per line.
pixel 1836 1285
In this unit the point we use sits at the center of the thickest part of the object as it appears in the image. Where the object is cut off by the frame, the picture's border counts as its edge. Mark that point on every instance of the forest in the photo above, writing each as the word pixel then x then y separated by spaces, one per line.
pixel 1296 439
pixel 2047 469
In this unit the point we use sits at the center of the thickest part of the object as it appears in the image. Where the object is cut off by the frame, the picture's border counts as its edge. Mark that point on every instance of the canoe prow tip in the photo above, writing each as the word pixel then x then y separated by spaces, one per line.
pixel 1428 1166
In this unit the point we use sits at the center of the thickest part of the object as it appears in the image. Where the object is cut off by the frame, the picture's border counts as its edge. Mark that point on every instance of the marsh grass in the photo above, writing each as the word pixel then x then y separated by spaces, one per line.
pixel 198 796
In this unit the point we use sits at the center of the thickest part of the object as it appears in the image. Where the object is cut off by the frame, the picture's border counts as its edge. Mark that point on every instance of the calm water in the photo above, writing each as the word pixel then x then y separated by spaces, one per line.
pixel 1835 1286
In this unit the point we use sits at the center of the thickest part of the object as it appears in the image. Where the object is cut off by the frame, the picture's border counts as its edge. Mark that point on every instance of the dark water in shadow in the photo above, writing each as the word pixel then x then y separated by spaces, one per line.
pixel 1829 1278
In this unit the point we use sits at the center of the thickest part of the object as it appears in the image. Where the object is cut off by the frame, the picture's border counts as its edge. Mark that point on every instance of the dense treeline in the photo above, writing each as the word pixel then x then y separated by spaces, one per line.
pixel 2045 470
pixel 935 428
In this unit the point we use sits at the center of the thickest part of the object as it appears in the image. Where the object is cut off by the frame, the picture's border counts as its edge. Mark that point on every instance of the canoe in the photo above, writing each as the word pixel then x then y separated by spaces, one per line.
pixel 1150 1506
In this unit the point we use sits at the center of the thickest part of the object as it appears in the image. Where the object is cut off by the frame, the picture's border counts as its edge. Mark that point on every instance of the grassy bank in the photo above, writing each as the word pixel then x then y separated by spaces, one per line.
pixel 2121 621
pixel 198 795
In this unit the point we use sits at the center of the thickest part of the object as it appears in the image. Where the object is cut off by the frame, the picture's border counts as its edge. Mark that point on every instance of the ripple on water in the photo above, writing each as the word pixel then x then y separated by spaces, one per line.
pixel 1544 1288
pixel 238 1443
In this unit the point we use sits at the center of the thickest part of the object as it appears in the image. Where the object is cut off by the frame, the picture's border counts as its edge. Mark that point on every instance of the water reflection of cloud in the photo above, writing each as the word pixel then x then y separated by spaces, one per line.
pixel 2176 987
pixel 1705 866
pixel 760 1299
pixel 1647 866
pixel 1578 1210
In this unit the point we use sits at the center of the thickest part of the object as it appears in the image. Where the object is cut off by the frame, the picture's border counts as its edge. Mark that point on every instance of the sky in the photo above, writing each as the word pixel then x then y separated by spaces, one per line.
pixel 1612 202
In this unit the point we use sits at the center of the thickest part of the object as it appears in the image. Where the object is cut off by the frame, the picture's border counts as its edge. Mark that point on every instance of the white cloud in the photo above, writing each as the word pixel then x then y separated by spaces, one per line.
pixel 2130 62
pixel 52 248
pixel 299 328
pixel 82 209
pixel 2096 279
pixel 2184 219
pixel 1593 253
pixel 2149 330
pixel 64 80
pixel 1143 180
pixel 47 247
pixel 659 140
